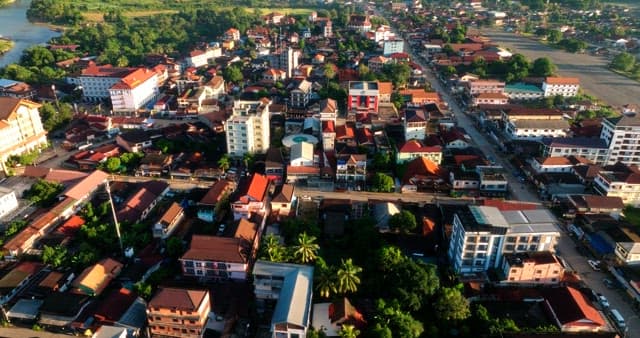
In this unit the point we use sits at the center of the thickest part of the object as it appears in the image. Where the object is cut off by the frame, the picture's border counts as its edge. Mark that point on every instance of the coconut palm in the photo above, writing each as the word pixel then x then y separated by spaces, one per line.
pixel 325 282
pixel 272 250
pixel 348 331
pixel 306 250
pixel 348 279
pixel 224 162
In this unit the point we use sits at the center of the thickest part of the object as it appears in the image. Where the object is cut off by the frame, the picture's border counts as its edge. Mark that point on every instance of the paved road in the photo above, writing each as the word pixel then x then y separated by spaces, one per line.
pixel 595 78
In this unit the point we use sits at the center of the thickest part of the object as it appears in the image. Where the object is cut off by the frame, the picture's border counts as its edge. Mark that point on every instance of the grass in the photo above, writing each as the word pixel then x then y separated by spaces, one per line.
pixel 5 46
pixel 96 15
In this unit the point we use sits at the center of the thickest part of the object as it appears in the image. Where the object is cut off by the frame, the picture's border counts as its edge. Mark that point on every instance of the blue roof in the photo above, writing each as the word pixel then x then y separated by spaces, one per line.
pixel 599 244
pixel 6 83
pixel 522 87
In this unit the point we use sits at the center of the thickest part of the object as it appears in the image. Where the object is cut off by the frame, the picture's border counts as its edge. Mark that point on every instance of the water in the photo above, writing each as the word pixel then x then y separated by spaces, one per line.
pixel 15 26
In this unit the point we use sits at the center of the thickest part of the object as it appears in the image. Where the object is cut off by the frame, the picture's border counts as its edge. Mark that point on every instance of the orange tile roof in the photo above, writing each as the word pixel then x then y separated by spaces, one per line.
pixel 88 184
pixel 216 249
pixel 556 160
pixel 179 299
pixel 134 79
pixel 97 277
pixel 562 80
pixel 385 88
pixel 258 187
pixel 174 210
pixel 217 191
pixel 415 146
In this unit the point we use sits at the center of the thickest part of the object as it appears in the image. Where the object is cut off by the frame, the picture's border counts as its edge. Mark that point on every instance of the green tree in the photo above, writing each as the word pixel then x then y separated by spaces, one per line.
pixel 55 256
pixel 233 74
pixel 623 62
pixel 113 164
pixel 272 250
pixel 175 247
pixel 403 221
pixel 37 56
pixel 542 67
pixel 382 161
pixel 144 290
pixel 224 162
pixel 554 36
pixel 348 331
pixel 382 183
pixel 325 281
pixel 392 319
pixel 43 193
pixel 306 249
pixel 348 276
pixel 451 305
pixel 329 71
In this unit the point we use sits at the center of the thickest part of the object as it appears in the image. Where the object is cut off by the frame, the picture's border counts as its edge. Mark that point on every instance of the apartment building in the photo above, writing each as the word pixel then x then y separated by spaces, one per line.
pixel 134 90
pixel 474 88
pixel 97 80
pixel 351 168
pixel 363 96
pixel 532 268
pixel 564 86
pixel 200 58
pixel 595 150
pixel 483 234
pixel 248 127
pixel 8 201
pixel 415 124
pixel 619 180
pixel 534 130
pixel 176 312
pixel 490 98
pixel 301 94
pixel 393 46
pixel 21 129
pixel 622 134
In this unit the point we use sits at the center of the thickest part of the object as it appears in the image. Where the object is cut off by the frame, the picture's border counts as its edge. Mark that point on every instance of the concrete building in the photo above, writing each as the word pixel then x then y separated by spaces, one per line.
pixel 134 90
pixel 482 235
pixel 415 124
pixel 473 88
pixel 622 134
pixel 97 80
pixel 595 150
pixel 393 46
pixel 21 129
pixel 363 96
pixel 565 86
pixel 523 92
pixel 532 268
pixel 8 201
pixel 534 130
pixel 301 94
pixel 177 312
pixel 622 181
pixel 248 127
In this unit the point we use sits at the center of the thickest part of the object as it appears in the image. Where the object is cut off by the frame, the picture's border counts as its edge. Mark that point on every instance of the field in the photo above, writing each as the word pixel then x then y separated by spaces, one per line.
pixel 97 15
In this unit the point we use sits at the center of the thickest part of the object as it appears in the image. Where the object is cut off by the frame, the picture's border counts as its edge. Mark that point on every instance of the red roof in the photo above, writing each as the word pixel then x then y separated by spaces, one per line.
pixel 114 306
pixel 258 187
pixel 562 80
pixel 134 79
pixel 328 127
pixel 571 307
pixel 71 226
pixel 216 192
pixel 216 249
pixel 415 146
pixel 503 205
pixel 344 131
pixel 178 299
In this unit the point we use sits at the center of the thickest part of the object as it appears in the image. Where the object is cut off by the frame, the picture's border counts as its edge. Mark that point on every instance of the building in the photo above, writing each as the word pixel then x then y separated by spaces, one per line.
pixel 415 124
pixel 8 201
pixel 627 249
pixel 523 92
pixel 556 164
pixel 376 63
pixel 290 287
pixel 20 128
pixel 94 279
pixel 490 98
pixel 621 134
pixel 169 221
pixel 248 128
pixel 534 130
pixel 359 23
pixel 283 199
pixel 286 60
pixel 532 268
pixel 351 168
pixel 302 155
pixel 413 149
pixel 363 96
pixel 595 150
pixel 564 86
pixel 492 181
pixel 274 166
pixel 619 180
pixel 209 203
pixel 96 81
pixel 134 91
pixel 174 312
pixel 332 316
pixel 16 280
pixel 17 89
pixel 328 135
pixel 301 94
pixel 474 88
pixel 232 34
pixel 252 197
pixel 422 174
pixel 200 58
pixel 481 235
pixel 393 46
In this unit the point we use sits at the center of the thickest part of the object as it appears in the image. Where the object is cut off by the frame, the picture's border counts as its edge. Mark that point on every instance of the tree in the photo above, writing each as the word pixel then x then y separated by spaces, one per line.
pixel 348 279
pixel 43 193
pixel 623 62
pixel 144 290
pixel 554 36
pixel 348 331
pixel 54 256
pixel 325 281
pixel 175 247
pixel 329 71
pixel 233 74
pixel 392 319
pixel 542 67
pixel 403 221
pixel 272 250
pixel 451 305
pixel 224 162
pixel 113 164
pixel 306 250
pixel 382 160
pixel 382 183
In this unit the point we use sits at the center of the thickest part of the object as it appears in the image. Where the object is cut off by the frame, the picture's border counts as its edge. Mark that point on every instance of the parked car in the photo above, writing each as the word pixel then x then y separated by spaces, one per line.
pixel 595 265
pixel 603 301
pixel 609 283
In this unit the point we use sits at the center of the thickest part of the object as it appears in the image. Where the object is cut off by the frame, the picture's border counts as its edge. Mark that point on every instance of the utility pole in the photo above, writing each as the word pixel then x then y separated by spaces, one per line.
pixel 115 217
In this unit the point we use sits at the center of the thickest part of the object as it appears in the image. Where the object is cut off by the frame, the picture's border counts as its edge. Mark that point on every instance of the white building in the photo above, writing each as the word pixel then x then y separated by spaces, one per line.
pixel 482 235
pixel 21 129
pixel 622 134
pixel 248 127
pixel 8 201
pixel 199 58
pixel 97 80
pixel 134 90
pixel 302 154
pixel 393 46
pixel 528 129
pixel 301 94
pixel 622 181
pixel 565 86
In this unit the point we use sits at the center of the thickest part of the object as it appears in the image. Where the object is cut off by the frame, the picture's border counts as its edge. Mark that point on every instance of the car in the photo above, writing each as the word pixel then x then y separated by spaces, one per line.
pixel 595 265
pixel 609 283
pixel 603 301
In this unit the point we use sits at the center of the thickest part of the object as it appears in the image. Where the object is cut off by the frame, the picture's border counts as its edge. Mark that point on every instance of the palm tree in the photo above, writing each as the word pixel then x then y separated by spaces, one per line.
pixel 325 282
pixel 348 279
pixel 224 162
pixel 306 250
pixel 348 331
pixel 272 250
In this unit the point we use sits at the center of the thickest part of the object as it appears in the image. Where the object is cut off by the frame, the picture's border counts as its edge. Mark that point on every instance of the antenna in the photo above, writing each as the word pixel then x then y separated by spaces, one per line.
pixel 115 217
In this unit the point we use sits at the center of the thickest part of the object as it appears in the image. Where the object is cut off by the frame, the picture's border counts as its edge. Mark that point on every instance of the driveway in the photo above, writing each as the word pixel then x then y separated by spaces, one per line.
pixel 595 78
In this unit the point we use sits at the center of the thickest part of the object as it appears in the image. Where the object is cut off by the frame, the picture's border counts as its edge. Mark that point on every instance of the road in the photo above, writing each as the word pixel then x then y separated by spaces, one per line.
pixel 595 78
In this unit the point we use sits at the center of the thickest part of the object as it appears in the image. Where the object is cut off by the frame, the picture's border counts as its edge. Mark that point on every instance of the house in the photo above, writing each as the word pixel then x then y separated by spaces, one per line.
pixel 332 316
pixel 619 180
pixel 232 34
pixel 557 185
pixel 627 245
pixel 415 124
pixel 134 141
pixel 8 201
pixel 217 258
pixel 523 92
pixel 169 221
pixel 351 168
pixel 290 287
pixel 455 138
pixel 252 197
pixel 414 148
pixel 359 23
pixel 17 279
pixel 177 312
pixel 328 135
pixel 363 96
pixel 423 174
pixel 594 204
pixel 94 279
pixel 492 180
pixel 481 235
pixel 302 155
pixel 475 87
pixel 573 312
pixel 283 199
pixel 138 206
pixel 376 63
pixel 595 150
pixel 20 129
pixel 208 205
pixel 60 309
pixel 419 97
pixel 273 75
pixel 564 86
pixel 134 91
pixel 556 164
pixel 17 89
pixel 154 164
pixel 301 94
pixel 532 268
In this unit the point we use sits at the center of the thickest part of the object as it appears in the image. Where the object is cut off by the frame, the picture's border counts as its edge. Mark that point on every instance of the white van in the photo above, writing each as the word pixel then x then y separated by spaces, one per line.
pixel 617 318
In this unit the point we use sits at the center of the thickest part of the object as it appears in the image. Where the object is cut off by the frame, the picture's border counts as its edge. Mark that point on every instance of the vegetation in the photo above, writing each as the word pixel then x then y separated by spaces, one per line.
pixel 54 256
pixel 382 183
pixel 55 117
pixel 5 45
pixel 515 69
pixel 43 193
pixel 403 221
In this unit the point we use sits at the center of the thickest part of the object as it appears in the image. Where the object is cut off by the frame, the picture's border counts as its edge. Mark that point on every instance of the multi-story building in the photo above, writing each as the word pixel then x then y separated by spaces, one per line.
pixel 351 168
pixel 359 23
pixel 328 135
pixel 134 90
pixel 473 88
pixel 289 286
pixel 17 89
pixel 232 34
pixel 200 58
pixel 393 46
pixel 523 92
pixel 482 235
pixel 363 96
pixel 490 98
pixel 286 59
pixel 21 130
pixel 8 201
pixel 492 180
pixel 252 197
pixel 97 80
pixel 622 134
pixel 595 150
pixel 413 149
pixel 415 124
pixel 248 127
pixel 619 180
pixel 301 94
pixel 564 86
pixel 169 221
pixel 176 312
pixel 532 268
pixel 533 130
pixel 376 63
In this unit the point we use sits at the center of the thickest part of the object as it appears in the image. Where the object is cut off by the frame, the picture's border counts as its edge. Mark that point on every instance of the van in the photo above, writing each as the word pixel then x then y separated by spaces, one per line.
pixel 617 319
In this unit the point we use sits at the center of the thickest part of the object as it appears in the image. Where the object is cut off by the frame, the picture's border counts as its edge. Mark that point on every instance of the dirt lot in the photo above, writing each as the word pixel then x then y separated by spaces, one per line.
pixel 595 78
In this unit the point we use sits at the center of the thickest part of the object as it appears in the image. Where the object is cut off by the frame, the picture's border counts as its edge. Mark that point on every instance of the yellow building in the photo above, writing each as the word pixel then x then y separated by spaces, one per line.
pixel 21 130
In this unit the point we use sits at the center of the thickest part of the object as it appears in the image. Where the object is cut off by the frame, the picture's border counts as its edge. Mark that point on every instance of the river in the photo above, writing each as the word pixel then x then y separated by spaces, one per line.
pixel 15 26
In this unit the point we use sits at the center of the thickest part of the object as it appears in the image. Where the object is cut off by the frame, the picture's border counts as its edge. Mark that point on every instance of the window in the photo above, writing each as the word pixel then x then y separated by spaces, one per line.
pixel 538 271
pixel 524 238
pixel 522 247
pixel 537 279
pixel 512 278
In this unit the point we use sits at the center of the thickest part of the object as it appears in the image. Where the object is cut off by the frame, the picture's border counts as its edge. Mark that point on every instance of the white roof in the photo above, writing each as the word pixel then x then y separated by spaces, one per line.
pixel 489 216
pixel 302 150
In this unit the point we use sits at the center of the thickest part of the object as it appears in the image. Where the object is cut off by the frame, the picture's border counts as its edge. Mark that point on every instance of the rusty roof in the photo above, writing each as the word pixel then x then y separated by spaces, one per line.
pixel 179 299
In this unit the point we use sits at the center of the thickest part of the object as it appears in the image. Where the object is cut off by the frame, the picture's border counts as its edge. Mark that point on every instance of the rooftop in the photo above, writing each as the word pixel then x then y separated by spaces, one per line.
pixel 179 299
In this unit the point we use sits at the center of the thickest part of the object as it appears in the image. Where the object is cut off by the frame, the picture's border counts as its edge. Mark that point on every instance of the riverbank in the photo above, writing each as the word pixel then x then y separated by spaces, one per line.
pixel 5 45
pixel 6 2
